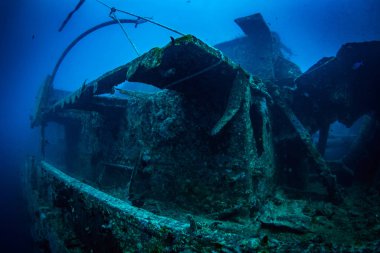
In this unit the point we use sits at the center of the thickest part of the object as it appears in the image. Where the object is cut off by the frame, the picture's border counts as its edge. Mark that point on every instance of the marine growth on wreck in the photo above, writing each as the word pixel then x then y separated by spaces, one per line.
pixel 228 154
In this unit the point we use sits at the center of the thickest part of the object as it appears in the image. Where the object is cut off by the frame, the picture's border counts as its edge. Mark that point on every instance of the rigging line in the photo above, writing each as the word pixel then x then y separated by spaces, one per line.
pixel 316 68
pixel 146 19
pixel 114 17
pixel 68 17
pixel 106 5
pixel 193 75
pixel 153 22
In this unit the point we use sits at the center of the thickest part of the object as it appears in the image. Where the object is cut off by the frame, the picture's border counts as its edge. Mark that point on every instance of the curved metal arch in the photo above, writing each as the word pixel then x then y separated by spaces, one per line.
pixel 81 36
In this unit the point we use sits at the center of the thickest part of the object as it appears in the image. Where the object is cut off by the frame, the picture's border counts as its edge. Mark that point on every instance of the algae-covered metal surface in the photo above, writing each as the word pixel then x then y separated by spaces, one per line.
pixel 118 222
pixel 218 159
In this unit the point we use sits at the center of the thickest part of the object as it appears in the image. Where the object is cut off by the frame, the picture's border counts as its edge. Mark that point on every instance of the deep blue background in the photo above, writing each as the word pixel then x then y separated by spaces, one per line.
pixel 30 45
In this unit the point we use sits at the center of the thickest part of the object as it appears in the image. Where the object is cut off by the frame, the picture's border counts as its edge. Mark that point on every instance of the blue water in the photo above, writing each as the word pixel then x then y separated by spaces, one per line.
pixel 31 44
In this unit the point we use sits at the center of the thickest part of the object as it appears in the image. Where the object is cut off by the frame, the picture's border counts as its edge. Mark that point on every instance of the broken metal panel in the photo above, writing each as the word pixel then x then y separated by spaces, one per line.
pixel 254 25
pixel 258 45
pixel 260 52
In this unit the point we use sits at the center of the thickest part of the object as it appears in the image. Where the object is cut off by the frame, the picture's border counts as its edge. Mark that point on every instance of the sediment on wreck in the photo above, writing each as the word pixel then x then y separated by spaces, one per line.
pixel 216 160
pixel 210 131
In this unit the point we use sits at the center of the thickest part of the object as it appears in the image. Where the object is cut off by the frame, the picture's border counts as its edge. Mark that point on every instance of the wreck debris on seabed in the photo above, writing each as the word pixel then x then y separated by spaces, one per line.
pixel 218 160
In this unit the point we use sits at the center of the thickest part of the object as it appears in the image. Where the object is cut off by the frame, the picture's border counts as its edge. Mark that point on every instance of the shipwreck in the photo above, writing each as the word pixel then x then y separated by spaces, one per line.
pixel 222 158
